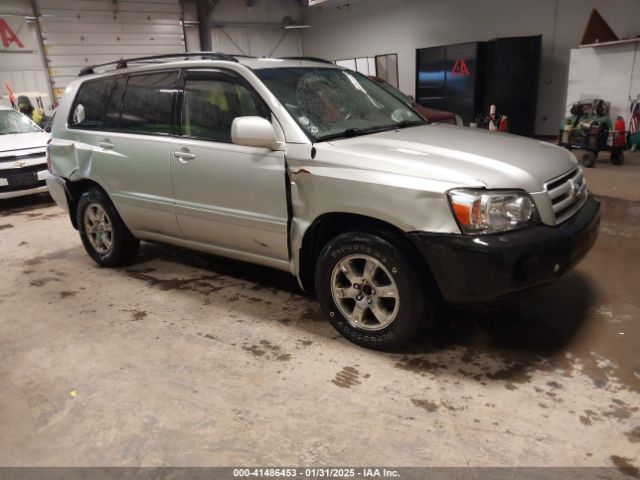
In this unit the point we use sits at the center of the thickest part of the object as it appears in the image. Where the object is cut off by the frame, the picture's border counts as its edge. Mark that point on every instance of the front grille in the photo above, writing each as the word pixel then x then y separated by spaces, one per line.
pixel 18 156
pixel 7 188
pixel 567 193
pixel 4 173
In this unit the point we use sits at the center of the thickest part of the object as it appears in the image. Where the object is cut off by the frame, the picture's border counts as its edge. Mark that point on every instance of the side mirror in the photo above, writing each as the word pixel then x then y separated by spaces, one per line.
pixel 253 132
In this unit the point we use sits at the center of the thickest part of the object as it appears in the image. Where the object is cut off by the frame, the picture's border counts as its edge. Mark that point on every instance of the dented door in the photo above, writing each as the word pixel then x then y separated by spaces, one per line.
pixel 228 196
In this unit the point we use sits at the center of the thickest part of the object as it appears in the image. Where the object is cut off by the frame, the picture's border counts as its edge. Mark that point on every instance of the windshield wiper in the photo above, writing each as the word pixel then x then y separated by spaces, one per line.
pixel 407 123
pixel 354 132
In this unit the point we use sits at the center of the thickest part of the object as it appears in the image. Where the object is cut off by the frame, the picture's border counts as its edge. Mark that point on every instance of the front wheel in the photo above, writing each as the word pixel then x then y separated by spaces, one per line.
pixel 105 237
pixel 369 290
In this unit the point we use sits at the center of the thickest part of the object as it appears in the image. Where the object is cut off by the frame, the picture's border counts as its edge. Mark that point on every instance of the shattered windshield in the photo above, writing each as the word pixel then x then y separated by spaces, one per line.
pixel 332 103
pixel 14 122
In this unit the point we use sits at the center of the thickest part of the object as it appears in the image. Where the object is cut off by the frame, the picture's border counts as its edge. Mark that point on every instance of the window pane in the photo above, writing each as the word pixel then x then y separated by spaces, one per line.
pixel 392 69
pixel 330 101
pixel 91 104
pixel 372 66
pixel 113 111
pixel 362 65
pixel 350 63
pixel 211 105
pixel 148 102
pixel 387 68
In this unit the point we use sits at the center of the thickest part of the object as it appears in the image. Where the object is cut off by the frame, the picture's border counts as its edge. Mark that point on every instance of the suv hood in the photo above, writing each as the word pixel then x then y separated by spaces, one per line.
pixel 458 155
pixel 22 141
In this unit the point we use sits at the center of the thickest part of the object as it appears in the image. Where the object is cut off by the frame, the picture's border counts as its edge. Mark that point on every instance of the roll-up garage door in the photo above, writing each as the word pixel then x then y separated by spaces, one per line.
pixel 79 33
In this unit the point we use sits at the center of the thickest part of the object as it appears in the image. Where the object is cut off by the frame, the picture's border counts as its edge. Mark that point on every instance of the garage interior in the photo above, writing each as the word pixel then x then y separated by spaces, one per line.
pixel 192 360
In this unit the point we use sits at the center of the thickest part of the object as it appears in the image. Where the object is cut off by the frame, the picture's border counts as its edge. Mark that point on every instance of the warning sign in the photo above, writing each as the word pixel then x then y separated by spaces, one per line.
pixel 460 68
pixel 9 39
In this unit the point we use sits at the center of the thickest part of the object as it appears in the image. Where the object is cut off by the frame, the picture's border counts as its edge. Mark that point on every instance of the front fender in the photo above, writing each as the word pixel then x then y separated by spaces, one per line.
pixel 408 203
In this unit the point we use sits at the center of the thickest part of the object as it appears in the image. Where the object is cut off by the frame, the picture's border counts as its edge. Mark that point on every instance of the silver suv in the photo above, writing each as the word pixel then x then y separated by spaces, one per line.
pixel 307 167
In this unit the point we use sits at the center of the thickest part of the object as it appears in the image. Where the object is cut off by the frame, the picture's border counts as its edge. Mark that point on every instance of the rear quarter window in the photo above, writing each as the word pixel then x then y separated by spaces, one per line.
pixel 89 108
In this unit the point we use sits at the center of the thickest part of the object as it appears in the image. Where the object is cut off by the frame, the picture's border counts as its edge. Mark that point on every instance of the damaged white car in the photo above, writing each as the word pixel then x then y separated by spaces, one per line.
pixel 23 162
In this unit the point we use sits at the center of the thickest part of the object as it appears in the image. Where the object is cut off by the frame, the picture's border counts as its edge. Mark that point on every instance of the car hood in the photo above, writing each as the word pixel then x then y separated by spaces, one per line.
pixel 458 155
pixel 22 141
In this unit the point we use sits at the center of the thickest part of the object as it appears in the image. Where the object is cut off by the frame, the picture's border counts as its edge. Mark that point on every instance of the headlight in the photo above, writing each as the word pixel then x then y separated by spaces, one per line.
pixel 490 211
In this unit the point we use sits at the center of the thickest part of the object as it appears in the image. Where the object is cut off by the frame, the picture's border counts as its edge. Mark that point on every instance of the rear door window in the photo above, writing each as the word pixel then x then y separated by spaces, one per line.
pixel 90 105
pixel 147 104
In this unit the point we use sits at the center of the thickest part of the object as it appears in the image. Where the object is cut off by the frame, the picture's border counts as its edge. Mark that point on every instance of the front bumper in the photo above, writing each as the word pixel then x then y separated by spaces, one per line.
pixel 23 193
pixel 37 186
pixel 488 268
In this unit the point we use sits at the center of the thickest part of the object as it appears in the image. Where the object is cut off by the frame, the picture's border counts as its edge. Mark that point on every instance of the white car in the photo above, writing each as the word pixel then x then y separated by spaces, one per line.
pixel 23 160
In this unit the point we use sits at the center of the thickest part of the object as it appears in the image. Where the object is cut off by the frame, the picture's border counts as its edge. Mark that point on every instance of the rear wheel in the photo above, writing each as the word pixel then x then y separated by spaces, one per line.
pixel 589 158
pixel 369 290
pixel 105 237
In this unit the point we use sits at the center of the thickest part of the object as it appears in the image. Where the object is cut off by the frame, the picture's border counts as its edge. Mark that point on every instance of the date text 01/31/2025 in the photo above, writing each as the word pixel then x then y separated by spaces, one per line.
pixel 309 473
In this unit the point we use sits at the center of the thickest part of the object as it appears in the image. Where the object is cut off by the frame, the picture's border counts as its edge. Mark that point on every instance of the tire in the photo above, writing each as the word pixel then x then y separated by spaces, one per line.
pixel 589 158
pixel 105 237
pixel 617 156
pixel 382 323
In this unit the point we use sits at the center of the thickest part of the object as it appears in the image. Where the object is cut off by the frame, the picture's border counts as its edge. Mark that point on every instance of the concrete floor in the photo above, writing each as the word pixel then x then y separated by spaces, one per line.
pixel 186 359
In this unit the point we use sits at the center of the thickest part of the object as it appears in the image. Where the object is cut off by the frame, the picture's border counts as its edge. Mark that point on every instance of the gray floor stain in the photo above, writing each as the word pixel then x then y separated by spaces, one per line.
pixel 40 282
pixel 347 377
pixel 625 466
pixel 427 405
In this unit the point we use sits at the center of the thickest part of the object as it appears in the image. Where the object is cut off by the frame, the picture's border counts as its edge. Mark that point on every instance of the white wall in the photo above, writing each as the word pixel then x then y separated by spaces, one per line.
pixel 609 68
pixel 371 27
pixel 260 41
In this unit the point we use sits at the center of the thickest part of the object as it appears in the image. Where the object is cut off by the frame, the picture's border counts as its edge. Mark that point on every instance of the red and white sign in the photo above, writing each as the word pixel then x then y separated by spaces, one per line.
pixel 460 68
pixel 14 33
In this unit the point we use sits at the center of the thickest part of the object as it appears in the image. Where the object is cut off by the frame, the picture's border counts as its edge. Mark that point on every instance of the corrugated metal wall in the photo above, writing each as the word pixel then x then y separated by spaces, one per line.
pixel 79 33
pixel 235 34
pixel 21 65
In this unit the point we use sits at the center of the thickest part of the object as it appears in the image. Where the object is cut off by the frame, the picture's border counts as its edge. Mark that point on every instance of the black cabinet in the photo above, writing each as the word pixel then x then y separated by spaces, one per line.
pixel 466 78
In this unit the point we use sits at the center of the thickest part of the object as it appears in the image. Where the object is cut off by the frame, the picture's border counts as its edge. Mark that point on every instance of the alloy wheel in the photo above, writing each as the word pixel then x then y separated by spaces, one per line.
pixel 365 292
pixel 98 227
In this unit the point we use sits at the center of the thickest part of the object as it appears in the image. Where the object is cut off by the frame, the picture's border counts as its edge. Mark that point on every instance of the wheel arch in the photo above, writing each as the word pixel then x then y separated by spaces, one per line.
pixel 74 190
pixel 328 225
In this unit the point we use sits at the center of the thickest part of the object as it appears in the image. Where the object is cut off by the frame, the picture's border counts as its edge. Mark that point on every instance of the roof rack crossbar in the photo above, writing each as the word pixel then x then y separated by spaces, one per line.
pixel 309 59
pixel 124 62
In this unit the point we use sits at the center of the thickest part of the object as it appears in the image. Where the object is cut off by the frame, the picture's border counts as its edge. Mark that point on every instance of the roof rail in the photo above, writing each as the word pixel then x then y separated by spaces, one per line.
pixel 309 59
pixel 124 62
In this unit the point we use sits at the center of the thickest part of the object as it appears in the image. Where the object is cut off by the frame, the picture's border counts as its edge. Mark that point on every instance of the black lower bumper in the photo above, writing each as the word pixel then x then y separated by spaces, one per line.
pixel 488 268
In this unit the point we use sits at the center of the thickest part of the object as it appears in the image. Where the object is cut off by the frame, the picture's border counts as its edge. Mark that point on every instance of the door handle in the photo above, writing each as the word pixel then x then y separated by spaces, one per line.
pixel 106 144
pixel 184 155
